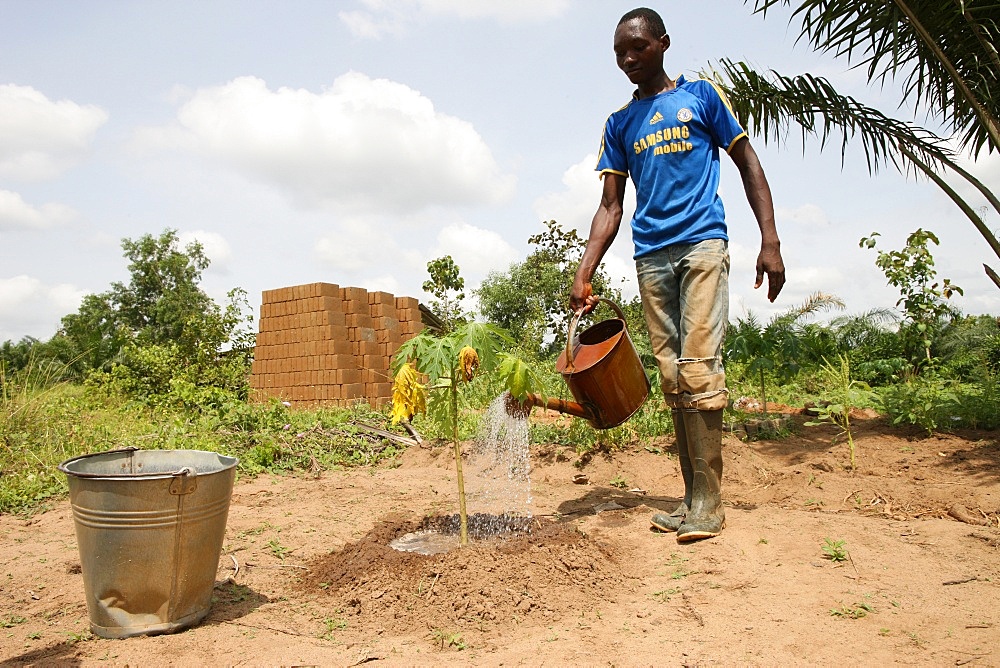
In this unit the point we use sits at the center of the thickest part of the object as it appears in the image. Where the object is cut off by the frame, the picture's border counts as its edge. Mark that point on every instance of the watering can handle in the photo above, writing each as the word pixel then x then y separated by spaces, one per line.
pixel 576 321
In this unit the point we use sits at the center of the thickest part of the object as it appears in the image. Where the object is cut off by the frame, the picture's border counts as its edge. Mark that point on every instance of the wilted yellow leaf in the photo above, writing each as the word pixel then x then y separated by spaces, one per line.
pixel 468 359
pixel 409 397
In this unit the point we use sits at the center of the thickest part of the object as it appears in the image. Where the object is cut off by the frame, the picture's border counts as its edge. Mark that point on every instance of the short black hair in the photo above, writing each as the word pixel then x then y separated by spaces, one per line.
pixel 649 17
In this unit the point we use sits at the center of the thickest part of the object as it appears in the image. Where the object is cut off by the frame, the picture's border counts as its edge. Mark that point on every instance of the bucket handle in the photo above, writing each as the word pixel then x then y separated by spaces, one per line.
pixel 576 321
pixel 184 481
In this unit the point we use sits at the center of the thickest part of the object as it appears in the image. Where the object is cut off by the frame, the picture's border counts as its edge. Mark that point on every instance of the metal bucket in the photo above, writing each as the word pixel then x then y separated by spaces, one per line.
pixel 150 526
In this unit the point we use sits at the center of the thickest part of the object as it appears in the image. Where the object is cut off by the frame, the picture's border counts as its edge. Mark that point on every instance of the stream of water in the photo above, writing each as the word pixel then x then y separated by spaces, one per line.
pixel 498 481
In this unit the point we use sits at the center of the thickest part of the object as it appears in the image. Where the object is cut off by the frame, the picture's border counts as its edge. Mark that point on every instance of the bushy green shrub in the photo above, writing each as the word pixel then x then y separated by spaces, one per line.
pixel 926 401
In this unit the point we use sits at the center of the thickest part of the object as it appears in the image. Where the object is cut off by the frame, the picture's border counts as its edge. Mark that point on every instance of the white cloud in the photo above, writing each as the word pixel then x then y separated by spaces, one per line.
pixel 358 247
pixel 808 216
pixel 39 138
pixel 476 251
pixel 574 206
pixel 363 144
pixel 15 213
pixel 29 307
pixel 214 245
pixel 385 18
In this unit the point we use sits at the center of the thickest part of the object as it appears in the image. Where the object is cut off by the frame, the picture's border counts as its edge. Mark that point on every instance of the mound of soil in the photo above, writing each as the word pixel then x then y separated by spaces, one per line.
pixel 537 575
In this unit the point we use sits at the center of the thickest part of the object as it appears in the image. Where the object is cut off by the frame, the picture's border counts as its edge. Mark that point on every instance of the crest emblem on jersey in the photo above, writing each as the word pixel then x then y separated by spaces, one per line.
pixel 684 115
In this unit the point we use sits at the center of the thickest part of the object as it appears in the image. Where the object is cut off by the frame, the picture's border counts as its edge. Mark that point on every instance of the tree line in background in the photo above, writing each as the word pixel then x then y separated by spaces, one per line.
pixel 158 333
pixel 156 361
pixel 161 339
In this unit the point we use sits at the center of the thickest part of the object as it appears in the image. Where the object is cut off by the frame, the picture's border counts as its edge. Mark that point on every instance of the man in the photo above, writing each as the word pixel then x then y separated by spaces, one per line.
pixel 667 138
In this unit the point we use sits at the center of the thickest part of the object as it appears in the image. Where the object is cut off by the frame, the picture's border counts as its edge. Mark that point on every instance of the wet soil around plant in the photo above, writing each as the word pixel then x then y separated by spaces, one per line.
pixel 917 580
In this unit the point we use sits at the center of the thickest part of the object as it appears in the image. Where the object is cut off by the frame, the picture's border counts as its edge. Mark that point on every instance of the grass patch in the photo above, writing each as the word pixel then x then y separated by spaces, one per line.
pixel 44 422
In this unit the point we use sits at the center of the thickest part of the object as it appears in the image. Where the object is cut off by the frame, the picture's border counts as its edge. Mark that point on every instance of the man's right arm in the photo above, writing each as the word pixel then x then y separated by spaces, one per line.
pixel 603 230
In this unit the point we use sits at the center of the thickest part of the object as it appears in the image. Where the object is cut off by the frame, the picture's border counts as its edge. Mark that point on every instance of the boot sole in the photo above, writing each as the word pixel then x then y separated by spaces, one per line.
pixel 664 529
pixel 691 536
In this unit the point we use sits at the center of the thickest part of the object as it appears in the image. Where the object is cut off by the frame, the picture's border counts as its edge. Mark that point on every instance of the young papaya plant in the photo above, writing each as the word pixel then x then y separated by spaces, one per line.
pixel 448 362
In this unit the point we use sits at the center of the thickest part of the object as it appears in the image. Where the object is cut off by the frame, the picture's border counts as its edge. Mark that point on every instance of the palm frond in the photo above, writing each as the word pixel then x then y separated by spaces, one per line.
pixel 943 52
pixel 770 105
pixel 814 303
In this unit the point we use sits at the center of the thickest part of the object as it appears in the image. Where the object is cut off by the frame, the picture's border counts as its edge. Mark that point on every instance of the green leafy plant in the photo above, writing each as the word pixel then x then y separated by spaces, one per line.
pixel 835 550
pixel 332 625
pixel 845 393
pixel 925 401
pixel 11 621
pixel 277 549
pixel 447 286
pixel 777 346
pixel 619 481
pixel 447 639
pixel 922 297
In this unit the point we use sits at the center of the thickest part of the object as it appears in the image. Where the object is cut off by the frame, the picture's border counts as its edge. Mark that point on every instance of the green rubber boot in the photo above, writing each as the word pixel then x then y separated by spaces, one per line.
pixel 707 517
pixel 672 522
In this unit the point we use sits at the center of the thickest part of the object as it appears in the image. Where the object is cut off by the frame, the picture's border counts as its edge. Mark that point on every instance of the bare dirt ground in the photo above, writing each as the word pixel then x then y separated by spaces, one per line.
pixel 592 584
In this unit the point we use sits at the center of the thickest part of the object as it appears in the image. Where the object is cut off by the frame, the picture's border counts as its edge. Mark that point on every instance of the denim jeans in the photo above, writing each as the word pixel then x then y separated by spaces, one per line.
pixel 685 298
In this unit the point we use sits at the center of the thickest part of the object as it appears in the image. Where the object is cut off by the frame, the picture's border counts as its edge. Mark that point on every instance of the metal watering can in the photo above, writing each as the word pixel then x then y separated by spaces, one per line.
pixel 603 372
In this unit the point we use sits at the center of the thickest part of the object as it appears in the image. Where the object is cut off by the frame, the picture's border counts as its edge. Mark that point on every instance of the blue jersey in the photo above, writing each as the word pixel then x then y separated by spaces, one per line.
pixel 669 145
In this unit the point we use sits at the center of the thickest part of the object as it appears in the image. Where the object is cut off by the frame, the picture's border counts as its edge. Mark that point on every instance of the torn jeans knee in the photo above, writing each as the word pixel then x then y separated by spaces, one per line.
pixel 702 383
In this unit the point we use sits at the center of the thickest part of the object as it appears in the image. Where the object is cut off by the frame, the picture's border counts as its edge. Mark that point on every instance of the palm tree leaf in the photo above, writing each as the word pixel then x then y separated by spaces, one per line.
pixel 771 105
pixel 943 52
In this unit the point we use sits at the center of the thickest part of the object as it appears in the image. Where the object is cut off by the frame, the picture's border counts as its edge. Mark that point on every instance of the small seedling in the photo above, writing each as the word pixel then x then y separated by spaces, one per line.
pixel 834 550
pixel 665 594
pixel 73 638
pixel 277 549
pixel 857 611
pixel 619 482
pixel 256 531
pixel 333 624
pixel 447 639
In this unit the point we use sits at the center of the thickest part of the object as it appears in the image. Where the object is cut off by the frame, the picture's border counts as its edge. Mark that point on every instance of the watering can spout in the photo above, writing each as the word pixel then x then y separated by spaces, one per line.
pixel 521 407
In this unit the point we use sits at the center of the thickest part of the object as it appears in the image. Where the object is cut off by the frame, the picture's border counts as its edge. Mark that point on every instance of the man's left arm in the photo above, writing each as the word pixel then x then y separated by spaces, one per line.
pixel 759 195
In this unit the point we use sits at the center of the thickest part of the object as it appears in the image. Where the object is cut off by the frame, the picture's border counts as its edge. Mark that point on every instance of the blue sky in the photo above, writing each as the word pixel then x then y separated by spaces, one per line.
pixel 353 141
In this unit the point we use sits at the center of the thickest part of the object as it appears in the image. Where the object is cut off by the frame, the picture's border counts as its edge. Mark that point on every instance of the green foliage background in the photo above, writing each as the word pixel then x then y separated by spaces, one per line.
pixel 154 363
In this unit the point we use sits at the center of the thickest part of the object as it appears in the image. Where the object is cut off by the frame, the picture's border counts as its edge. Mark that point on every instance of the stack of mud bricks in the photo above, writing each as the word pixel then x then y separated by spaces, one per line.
pixel 324 345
